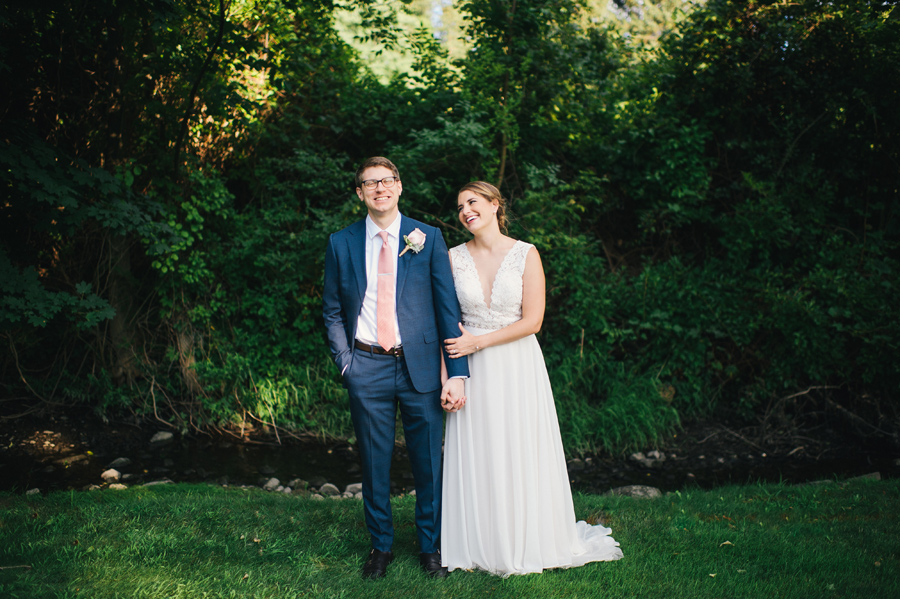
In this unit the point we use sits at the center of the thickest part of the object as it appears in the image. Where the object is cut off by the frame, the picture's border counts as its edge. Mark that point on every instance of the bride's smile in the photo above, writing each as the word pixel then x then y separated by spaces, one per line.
pixel 474 210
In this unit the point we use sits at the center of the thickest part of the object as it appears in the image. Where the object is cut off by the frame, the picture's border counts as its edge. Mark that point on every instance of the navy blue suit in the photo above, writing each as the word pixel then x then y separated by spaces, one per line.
pixel 427 313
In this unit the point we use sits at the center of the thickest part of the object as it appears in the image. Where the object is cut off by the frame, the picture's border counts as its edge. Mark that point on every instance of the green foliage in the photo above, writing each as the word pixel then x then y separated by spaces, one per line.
pixel 607 409
pixel 715 209
pixel 307 400
pixel 27 302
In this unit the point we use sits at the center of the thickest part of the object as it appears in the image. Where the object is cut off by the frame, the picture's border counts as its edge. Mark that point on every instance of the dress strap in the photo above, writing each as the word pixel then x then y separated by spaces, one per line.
pixel 520 255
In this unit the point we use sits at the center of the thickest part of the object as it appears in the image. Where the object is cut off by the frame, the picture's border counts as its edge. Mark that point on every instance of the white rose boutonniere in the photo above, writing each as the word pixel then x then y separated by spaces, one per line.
pixel 415 241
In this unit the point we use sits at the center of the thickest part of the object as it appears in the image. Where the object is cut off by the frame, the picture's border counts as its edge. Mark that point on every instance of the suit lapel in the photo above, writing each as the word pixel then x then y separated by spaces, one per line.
pixel 406 227
pixel 357 248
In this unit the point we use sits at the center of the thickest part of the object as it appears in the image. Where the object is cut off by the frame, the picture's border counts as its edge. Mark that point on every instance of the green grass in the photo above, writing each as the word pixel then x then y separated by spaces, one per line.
pixel 758 541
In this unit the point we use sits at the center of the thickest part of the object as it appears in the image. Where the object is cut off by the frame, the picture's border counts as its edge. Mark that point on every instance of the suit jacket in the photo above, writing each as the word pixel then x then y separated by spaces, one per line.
pixel 427 307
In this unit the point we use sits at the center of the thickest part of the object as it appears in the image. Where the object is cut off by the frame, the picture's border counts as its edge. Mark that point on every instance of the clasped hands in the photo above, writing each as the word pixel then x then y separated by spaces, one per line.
pixel 453 396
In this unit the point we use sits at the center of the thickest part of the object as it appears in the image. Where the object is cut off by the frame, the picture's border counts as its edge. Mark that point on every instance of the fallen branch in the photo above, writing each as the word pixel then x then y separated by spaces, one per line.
pixel 795 450
pixel 858 418
pixel 815 388
pixel 708 437
pixel 742 438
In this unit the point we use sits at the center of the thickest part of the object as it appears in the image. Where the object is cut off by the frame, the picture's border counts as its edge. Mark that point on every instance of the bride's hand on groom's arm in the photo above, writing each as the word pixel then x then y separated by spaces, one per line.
pixel 465 344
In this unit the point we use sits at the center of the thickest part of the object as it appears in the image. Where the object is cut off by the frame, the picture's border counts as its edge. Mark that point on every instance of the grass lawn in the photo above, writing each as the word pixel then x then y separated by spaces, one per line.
pixel 760 541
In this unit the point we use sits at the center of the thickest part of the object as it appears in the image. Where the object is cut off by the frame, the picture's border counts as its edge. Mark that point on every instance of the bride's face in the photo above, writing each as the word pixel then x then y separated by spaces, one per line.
pixel 475 212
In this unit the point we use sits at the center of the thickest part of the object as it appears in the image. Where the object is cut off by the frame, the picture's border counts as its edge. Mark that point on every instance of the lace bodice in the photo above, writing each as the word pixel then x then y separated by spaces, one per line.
pixel 506 294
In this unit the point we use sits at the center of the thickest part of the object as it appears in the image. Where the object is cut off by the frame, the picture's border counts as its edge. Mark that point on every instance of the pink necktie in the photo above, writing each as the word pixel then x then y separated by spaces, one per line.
pixel 385 314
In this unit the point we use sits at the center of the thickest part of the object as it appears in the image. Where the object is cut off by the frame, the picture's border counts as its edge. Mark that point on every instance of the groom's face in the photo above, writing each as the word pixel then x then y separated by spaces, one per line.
pixel 380 200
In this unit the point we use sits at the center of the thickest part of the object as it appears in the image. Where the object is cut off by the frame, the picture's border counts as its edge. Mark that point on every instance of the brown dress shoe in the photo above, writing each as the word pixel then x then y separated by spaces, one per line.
pixel 376 564
pixel 431 563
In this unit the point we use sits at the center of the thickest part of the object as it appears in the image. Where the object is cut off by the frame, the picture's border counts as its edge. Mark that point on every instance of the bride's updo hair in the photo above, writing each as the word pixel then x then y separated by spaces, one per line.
pixel 490 193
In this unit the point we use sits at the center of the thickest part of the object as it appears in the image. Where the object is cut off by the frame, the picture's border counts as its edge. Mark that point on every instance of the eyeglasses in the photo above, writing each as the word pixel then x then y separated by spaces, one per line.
pixel 373 183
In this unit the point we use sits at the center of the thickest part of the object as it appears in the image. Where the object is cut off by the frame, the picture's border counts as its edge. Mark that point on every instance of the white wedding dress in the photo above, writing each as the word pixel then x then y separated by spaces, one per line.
pixel 507 505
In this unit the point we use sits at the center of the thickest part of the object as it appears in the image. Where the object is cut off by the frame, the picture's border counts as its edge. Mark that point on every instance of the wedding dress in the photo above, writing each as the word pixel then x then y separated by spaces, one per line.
pixel 507 506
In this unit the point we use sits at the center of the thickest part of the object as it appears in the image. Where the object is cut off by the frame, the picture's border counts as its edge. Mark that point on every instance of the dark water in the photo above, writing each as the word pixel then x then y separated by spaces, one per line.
pixel 71 454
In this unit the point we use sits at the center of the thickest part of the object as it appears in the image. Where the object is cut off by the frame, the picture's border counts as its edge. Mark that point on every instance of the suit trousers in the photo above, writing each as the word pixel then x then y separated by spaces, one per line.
pixel 377 384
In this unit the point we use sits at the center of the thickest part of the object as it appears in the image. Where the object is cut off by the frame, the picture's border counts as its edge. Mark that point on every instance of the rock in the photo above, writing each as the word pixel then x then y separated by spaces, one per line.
pixel 347 495
pixel 575 465
pixel 298 484
pixel 636 491
pixel 69 460
pixel 813 483
pixel 130 477
pixel 354 488
pixel 300 493
pixel 34 491
pixel 161 437
pixel 316 496
pixel 286 490
pixel 645 460
pixel 335 497
pixel 111 475
pixel 118 487
pixel 412 493
pixel 869 476
pixel 329 490
pixel 164 481
pixel 358 495
pixel 271 484
pixel 120 463
pixel 657 456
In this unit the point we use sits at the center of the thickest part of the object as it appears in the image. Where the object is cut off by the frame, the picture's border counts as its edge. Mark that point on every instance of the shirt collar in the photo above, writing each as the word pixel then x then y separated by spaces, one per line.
pixel 393 229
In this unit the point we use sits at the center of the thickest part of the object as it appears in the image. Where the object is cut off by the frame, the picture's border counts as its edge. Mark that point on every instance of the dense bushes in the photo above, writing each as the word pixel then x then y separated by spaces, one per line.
pixel 716 216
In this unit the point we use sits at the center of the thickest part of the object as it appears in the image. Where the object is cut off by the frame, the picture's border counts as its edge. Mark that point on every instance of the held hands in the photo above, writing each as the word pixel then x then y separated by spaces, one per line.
pixel 465 344
pixel 453 395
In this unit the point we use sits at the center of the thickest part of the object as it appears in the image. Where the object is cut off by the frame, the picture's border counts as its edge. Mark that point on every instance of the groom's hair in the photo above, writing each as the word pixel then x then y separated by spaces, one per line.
pixel 375 161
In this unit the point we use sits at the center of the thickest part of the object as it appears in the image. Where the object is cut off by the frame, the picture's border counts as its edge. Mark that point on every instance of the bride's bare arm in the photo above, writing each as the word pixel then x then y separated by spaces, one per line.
pixel 533 304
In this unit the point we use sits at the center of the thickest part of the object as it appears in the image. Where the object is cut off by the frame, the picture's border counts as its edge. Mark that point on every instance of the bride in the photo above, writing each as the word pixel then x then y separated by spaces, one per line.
pixel 507 505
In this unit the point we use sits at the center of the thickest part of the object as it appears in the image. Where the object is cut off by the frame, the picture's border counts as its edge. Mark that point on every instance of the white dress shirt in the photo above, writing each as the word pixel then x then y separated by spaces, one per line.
pixel 367 325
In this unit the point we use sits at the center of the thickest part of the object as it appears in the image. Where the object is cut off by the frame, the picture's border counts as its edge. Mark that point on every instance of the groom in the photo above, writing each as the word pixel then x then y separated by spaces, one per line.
pixel 389 304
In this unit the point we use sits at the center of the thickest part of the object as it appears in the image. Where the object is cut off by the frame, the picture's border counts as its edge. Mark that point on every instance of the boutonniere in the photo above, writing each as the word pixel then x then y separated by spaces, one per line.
pixel 415 241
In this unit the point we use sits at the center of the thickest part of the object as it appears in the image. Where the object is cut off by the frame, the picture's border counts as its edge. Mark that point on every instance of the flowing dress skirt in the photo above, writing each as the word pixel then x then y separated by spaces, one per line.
pixel 507 506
